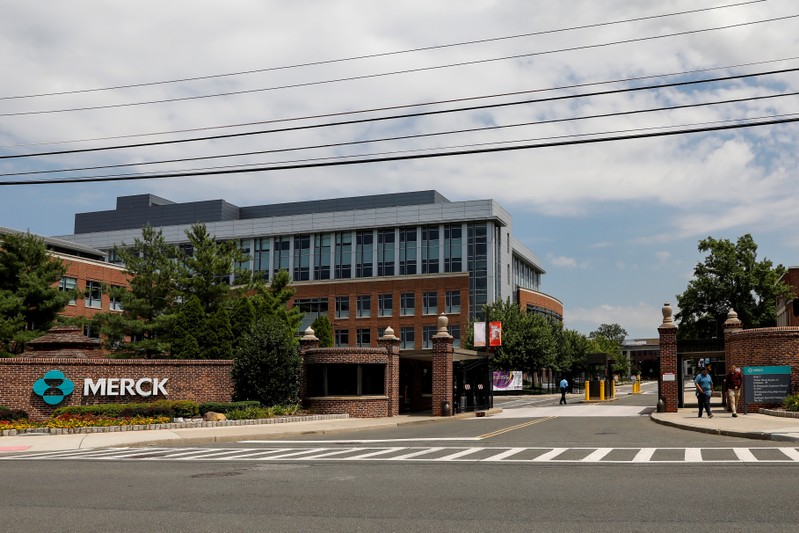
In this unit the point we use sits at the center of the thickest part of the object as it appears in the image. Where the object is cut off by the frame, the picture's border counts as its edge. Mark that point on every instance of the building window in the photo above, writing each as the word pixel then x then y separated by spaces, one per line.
pixel 407 304
pixel 91 332
pixel 302 258
pixel 346 380
pixel 455 331
pixel 430 303
pixel 261 259
pixel 407 251
pixel 68 284
pixel 364 307
pixel 385 302
pixel 453 303
pixel 342 337
pixel 312 308
pixel 477 245
pixel 342 306
pixel 115 295
pixel 363 337
pixel 282 253
pixel 385 252
pixel 364 247
pixel 321 251
pixel 453 251
pixel 94 292
pixel 430 249
pixel 427 336
pixel 343 255
pixel 407 338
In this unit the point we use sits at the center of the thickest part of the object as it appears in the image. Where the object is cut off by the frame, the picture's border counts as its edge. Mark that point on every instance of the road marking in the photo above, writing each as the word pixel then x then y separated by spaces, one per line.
pixel 428 454
pixel 514 428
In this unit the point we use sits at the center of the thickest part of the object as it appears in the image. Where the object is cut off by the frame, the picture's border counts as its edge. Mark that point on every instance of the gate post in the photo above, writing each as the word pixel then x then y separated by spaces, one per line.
pixel 668 360
pixel 442 369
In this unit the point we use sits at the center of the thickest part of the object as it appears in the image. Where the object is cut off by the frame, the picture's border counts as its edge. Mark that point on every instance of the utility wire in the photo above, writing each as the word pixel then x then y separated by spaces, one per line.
pixel 402 116
pixel 405 106
pixel 572 142
pixel 392 73
pixel 407 137
pixel 377 55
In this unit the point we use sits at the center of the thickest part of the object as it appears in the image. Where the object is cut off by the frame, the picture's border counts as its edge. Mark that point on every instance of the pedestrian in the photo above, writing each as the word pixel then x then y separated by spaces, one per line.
pixel 564 385
pixel 704 389
pixel 734 381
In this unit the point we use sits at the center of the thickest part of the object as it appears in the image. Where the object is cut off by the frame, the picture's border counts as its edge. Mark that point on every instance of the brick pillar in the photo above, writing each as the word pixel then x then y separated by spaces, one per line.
pixel 668 360
pixel 307 342
pixel 731 325
pixel 442 367
pixel 391 343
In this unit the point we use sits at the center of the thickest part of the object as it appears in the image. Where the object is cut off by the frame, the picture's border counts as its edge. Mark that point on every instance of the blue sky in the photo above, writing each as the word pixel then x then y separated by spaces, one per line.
pixel 615 224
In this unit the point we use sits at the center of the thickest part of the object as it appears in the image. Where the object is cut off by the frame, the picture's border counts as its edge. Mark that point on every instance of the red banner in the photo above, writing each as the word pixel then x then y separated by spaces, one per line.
pixel 495 334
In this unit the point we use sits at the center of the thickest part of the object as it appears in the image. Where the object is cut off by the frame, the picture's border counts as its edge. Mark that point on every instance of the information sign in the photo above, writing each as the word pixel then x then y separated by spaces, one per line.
pixel 766 384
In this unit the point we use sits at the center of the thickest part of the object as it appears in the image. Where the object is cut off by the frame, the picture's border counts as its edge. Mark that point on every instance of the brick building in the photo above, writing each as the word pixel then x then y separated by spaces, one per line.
pixel 788 308
pixel 87 272
pixel 366 262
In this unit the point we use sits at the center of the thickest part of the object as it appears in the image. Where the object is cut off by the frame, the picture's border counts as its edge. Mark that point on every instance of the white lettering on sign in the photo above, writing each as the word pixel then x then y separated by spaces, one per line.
pixel 125 387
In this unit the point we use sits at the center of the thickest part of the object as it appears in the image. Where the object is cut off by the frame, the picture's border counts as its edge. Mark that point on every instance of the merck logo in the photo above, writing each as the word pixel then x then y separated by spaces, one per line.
pixel 53 387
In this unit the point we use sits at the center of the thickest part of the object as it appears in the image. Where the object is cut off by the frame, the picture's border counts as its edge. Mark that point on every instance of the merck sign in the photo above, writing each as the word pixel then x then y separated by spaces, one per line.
pixel 54 387
pixel 125 387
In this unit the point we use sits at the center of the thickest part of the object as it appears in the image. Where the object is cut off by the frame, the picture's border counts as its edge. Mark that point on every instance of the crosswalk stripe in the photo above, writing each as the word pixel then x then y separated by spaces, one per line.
pixel 515 455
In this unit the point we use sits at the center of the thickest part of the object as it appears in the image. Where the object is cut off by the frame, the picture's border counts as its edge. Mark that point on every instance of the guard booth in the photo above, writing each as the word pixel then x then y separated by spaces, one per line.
pixel 472 381
pixel 692 356
pixel 599 384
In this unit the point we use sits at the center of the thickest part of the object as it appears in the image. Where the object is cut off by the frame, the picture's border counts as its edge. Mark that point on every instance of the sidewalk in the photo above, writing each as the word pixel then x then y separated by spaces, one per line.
pixel 207 435
pixel 751 426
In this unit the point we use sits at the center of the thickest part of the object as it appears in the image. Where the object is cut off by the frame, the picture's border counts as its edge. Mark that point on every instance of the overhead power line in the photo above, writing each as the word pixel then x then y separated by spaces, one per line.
pixel 402 157
pixel 396 117
pixel 405 106
pixel 378 54
pixel 392 73
pixel 408 137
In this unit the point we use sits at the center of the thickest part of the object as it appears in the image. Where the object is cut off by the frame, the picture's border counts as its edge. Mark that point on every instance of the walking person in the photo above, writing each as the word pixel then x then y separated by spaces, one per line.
pixel 564 385
pixel 734 382
pixel 704 389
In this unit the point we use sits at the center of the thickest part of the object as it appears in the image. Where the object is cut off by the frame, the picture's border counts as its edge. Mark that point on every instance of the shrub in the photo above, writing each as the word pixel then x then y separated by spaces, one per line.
pixel 256 412
pixel 792 403
pixel 266 366
pixel 225 407
pixel 168 408
pixel 13 414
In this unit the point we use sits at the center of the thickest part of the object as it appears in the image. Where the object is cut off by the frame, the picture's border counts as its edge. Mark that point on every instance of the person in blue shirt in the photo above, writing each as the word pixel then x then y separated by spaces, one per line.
pixel 704 389
pixel 563 386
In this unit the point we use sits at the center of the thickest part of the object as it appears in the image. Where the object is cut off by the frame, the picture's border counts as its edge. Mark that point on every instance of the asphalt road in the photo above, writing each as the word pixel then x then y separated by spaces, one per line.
pixel 106 491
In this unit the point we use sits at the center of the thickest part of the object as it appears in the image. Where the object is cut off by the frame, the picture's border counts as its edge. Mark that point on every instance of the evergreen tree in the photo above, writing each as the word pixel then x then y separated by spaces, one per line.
pixel 222 346
pixel 209 269
pixel 272 300
pixel 266 365
pixel 146 308
pixel 188 332
pixel 323 330
pixel 241 318
pixel 30 299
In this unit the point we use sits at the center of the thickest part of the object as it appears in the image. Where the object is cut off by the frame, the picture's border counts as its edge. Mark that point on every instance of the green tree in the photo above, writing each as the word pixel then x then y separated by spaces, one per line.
pixel 242 317
pixel 608 338
pixel 30 299
pixel 188 331
pixel 574 346
pixel 151 267
pixel 729 277
pixel 207 271
pixel 266 365
pixel 222 347
pixel 614 332
pixel 273 299
pixel 323 330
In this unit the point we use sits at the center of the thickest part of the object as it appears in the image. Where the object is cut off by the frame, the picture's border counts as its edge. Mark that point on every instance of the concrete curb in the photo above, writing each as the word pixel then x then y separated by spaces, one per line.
pixel 717 431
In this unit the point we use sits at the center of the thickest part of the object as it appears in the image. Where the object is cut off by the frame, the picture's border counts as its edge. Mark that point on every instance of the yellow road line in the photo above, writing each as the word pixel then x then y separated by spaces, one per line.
pixel 513 428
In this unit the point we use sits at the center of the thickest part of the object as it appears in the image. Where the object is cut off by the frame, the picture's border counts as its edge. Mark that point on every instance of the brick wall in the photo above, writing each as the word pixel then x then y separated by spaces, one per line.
pixel 539 299
pixel 442 374
pixel 199 381
pixel 88 270
pixel 765 347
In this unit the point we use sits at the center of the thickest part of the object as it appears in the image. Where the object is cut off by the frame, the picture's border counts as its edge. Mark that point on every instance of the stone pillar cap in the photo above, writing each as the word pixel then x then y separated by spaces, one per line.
pixel 443 321
pixel 668 319
pixel 388 334
pixel 309 335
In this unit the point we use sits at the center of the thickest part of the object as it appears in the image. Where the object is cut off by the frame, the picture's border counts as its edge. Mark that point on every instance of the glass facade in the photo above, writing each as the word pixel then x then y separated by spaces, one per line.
pixel 477 246
pixel 302 258
pixel 343 268
pixel 364 247
pixel 321 252
pixel 407 250
pixel 430 251
pixel 385 252
pixel 453 248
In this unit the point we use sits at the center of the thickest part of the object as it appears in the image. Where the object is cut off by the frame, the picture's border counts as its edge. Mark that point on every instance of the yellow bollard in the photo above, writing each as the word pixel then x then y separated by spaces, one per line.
pixel 601 389
pixel 587 390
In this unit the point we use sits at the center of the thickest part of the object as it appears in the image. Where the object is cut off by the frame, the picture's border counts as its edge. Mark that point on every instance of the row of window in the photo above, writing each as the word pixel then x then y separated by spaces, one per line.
pixel 358 254
pixel 407 336
pixel 93 293
pixel 407 307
